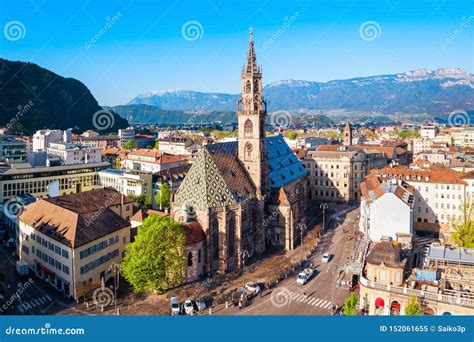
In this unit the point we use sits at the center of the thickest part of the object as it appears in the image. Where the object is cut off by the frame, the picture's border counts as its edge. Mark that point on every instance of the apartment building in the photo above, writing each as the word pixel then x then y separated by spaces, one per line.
pixel 42 138
pixel 71 153
pixel 128 182
pixel 152 161
pixel 335 171
pixel 12 150
pixel 72 241
pixel 177 146
pixel 439 194
pixel 386 209
pixel 126 135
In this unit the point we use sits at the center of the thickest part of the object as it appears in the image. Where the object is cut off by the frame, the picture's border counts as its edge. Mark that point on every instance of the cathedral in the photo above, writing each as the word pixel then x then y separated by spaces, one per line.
pixel 247 195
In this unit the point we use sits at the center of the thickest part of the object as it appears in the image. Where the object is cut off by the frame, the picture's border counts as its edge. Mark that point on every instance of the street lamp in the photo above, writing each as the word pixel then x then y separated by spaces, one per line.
pixel 324 206
pixel 301 227
pixel 116 269
pixel 244 254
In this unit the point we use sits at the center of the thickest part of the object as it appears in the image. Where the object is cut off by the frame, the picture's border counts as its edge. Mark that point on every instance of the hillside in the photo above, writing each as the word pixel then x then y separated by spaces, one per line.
pixel 33 98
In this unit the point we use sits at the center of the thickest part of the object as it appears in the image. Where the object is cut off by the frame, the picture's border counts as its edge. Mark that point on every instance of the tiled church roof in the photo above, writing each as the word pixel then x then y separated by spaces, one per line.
pixel 217 176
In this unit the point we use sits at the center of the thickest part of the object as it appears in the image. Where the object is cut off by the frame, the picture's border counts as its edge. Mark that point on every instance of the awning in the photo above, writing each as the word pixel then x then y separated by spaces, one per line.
pixel 379 302
pixel 395 306
pixel 47 271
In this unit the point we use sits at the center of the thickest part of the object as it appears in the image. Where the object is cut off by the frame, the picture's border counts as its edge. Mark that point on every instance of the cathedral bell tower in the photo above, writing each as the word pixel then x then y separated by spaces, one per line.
pixel 251 114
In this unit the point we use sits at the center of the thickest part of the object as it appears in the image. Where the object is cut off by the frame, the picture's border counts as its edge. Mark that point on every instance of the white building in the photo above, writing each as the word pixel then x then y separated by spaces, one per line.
pixel 126 135
pixel 43 138
pixel 429 131
pixel 71 154
pixel 130 183
pixel 72 241
pixel 152 161
pixel 178 146
pixel 386 209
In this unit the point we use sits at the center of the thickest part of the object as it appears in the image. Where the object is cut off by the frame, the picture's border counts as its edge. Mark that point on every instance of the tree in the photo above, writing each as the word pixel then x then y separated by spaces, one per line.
pixel 413 307
pixel 463 235
pixel 163 196
pixel 157 144
pixel 350 305
pixel 156 259
pixel 292 135
pixel 130 145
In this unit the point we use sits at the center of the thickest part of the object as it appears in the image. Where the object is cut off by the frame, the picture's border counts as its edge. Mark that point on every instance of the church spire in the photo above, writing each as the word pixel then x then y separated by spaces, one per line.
pixel 251 65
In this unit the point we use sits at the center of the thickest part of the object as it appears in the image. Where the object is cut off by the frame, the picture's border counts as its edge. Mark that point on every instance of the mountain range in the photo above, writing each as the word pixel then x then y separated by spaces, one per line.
pixel 33 98
pixel 422 91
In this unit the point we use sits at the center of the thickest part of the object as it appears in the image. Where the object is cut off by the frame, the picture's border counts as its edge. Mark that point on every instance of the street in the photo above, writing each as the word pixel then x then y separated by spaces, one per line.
pixel 320 294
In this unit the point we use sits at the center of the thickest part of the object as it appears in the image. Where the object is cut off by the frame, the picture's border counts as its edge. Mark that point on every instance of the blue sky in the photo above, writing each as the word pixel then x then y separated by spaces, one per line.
pixel 143 48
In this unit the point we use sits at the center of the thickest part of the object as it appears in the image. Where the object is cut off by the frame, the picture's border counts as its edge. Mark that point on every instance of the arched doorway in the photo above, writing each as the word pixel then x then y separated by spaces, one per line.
pixel 395 308
pixel 379 306
pixel 428 312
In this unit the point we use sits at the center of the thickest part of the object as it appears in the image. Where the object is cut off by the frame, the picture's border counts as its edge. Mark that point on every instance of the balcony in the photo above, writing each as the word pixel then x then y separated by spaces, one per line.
pixel 454 298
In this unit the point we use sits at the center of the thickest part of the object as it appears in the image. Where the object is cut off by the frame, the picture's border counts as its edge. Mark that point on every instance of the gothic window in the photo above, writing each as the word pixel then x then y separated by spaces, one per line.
pixel 248 128
pixel 215 238
pixel 255 87
pixel 248 151
pixel 231 237
pixel 190 259
pixel 199 256
pixel 248 87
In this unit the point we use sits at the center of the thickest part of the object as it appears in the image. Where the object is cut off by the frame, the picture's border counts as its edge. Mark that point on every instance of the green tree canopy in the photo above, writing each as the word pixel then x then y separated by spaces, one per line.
pixel 413 307
pixel 350 305
pixel 129 145
pixel 463 234
pixel 155 260
pixel 163 196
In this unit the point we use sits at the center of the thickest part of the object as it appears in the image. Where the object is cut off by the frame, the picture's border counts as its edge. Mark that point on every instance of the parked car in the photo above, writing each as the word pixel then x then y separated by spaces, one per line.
pixel 200 305
pixel 188 306
pixel 253 287
pixel 304 276
pixel 174 304
pixel 10 243
pixel 326 257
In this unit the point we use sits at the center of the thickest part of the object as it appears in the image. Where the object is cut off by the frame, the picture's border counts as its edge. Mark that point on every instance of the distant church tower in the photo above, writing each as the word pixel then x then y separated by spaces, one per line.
pixel 251 113
pixel 348 134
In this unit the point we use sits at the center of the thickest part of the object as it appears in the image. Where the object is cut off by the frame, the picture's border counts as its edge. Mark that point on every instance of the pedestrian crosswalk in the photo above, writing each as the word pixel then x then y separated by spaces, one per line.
pixel 302 298
pixel 34 302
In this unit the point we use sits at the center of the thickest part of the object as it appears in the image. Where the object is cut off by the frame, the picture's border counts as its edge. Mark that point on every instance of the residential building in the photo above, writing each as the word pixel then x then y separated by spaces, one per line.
pixel 335 171
pixel 152 161
pixel 71 153
pixel 72 241
pixel 178 146
pixel 126 135
pixel 441 280
pixel 128 182
pixel 429 131
pixel 386 209
pixel 42 138
pixel 12 150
